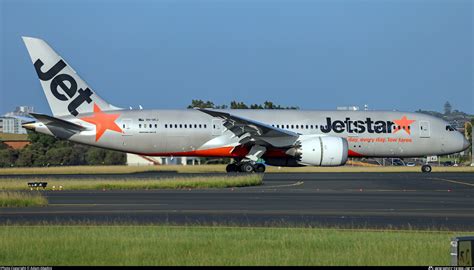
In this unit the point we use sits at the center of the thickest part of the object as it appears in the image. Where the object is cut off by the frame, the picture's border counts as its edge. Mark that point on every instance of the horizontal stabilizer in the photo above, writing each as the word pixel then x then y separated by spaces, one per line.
pixel 50 121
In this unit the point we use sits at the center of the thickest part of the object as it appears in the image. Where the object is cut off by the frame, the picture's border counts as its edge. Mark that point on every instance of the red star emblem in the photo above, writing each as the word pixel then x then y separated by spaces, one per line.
pixel 102 122
pixel 403 123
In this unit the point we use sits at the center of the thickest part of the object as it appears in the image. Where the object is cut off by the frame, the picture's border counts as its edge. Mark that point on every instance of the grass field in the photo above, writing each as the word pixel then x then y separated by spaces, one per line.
pixel 21 199
pixel 212 169
pixel 161 245
pixel 123 183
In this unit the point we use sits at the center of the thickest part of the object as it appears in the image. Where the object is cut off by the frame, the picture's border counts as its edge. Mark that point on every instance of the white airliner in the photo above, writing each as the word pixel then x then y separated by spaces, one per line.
pixel 279 137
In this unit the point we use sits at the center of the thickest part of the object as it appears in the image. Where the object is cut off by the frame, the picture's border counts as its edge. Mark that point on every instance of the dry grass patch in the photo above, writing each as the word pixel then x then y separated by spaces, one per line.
pixel 21 199
pixel 134 184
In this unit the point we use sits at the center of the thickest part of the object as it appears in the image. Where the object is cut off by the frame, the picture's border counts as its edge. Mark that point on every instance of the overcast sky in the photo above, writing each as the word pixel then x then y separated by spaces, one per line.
pixel 404 55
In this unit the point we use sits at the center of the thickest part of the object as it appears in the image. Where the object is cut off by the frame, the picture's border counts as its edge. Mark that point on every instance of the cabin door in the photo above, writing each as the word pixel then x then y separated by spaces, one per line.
pixel 424 129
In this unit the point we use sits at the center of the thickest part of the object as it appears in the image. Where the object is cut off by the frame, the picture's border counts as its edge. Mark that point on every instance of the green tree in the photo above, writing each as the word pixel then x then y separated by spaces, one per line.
pixel 95 156
pixel 256 107
pixel 238 105
pixel 447 108
pixel 3 146
pixel 115 158
pixel 42 139
pixel 8 157
pixel 59 156
pixel 25 158
pixel 77 155
pixel 197 103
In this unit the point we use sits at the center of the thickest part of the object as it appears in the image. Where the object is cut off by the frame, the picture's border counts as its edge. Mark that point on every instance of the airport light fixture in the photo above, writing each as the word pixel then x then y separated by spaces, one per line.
pixel 472 141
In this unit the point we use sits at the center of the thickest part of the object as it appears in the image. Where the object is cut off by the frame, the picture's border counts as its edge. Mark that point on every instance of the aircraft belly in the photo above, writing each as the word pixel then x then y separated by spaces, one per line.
pixel 183 143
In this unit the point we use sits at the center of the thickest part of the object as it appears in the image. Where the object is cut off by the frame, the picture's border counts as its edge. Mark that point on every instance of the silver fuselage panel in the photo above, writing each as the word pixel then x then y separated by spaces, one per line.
pixel 369 133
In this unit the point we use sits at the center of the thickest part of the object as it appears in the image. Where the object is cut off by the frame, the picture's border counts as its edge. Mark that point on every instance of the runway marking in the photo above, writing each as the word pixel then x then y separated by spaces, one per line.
pixel 103 204
pixel 328 212
pixel 453 181
pixel 299 183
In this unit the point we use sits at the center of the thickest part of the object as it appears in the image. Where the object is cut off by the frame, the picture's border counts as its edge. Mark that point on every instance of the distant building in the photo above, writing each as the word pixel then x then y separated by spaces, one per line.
pixel 21 111
pixel 10 124
pixel 347 108
pixel 140 160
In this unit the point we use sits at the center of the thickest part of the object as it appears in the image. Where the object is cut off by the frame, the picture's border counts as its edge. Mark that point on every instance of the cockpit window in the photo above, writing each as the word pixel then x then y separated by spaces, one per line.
pixel 450 128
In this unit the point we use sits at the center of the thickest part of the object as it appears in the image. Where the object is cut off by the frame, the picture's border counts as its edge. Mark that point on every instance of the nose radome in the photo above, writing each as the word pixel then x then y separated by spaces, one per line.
pixel 466 144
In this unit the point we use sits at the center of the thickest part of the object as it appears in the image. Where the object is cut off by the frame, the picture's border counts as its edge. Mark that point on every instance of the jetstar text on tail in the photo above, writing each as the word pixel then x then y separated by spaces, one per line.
pixel 360 126
pixel 59 82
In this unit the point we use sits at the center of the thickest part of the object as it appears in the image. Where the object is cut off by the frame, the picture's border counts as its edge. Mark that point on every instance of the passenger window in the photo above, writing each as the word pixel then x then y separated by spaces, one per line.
pixel 156 125
pixel 205 126
pixel 180 125
pixel 195 126
pixel 175 125
pixel 139 125
pixel 185 126
pixel 199 125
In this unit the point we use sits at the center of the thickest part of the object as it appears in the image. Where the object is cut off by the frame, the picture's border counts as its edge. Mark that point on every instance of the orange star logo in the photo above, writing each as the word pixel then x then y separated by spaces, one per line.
pixel 404 124
pixel 102 122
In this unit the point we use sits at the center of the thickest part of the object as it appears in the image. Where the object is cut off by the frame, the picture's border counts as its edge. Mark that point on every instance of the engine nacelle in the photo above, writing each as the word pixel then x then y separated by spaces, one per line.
pixel 314 150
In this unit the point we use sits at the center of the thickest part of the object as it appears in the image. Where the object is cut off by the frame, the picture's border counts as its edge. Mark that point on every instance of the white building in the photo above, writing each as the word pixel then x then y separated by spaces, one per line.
pixel 20 111
pixel 347 108
pixel 139 160
pixel 11 125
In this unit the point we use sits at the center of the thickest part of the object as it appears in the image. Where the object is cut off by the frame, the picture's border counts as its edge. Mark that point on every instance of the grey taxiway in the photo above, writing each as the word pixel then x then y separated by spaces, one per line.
pixel 374 200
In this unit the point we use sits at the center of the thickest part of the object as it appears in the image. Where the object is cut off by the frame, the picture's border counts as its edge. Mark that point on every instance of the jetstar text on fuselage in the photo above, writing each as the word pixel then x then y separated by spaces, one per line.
pixel 357 126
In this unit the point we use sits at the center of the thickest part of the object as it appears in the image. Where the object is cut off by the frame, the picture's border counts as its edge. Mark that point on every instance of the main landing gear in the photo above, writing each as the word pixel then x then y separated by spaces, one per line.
pixel 246 167
pixel 426 168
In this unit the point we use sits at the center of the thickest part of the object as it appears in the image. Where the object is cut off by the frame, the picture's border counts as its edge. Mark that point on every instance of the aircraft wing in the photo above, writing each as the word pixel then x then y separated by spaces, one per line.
pixel 251 130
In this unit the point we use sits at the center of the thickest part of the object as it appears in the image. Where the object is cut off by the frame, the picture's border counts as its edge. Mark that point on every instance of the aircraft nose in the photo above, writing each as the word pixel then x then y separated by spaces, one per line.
pixel 466 144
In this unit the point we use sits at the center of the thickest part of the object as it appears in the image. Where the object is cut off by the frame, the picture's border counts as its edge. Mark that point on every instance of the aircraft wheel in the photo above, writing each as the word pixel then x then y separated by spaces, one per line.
pixel 232 168
pixel 426 168
pixel 259 168
pixel 246 167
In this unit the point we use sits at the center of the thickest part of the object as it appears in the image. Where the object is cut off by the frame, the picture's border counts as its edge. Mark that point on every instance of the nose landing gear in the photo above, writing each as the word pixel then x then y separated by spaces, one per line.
pixel 426 168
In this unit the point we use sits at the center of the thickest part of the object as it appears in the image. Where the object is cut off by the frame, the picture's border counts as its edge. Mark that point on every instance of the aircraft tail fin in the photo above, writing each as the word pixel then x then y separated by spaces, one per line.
pixel 66 92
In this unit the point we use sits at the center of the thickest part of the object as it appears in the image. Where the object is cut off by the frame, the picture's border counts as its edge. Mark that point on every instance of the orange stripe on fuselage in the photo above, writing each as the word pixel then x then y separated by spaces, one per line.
pixel 229 151
pixel 354 154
